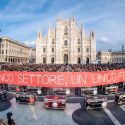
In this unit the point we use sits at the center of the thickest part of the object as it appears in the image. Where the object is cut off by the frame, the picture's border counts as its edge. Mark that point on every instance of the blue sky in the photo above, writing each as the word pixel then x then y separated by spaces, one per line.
pixel 21 19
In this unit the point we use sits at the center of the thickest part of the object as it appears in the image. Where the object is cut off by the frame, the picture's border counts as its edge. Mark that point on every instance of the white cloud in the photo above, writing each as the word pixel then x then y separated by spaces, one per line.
pixel 104 40
pixel 95 18
pixel 21 19
pixel 21 10
pixel 15 6
pixel 30 43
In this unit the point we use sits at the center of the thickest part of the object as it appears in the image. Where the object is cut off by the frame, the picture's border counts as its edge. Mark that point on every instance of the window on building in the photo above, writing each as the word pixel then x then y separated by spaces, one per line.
pixel 0 40
pixel 66 31
pixel 44 50
pixel 79 60
pixel 53 41
pixel 79 50
pixel 2 45
pixel 65 58
pixel 78 41
pixel 20 50
pixel 65 43
pixel 44 60
pixel 2 51
pixel 87 60
pixel 6 59
pixel 122 60
pixel 52 50
pixel 52 60
pixel 87 50
pixel 117 59
pixel 11 60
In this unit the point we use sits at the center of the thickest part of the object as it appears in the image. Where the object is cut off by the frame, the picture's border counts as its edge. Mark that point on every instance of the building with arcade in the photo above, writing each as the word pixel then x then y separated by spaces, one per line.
pixel 14 52
pixel 66 43
pixel 112 56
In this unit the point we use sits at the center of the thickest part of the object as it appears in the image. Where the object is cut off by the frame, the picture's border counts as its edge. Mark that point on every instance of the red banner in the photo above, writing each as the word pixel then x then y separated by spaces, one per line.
pixel 63 79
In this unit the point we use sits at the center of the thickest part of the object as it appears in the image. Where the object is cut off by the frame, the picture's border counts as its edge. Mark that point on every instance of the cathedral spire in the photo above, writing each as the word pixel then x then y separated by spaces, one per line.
pixel 58 18
pixel 49 29
pixel 39 36
pixel 92 34
pixel 74 18
pixel 49 26
pixel 122 47
pixel 81 26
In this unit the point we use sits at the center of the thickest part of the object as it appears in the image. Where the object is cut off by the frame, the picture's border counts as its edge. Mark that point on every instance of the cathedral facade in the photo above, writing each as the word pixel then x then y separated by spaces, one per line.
pixel 67 43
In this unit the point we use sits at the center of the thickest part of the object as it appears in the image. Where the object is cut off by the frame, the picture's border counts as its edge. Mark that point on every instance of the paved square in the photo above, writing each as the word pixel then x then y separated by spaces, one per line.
pixel 73 115
pixel 37 115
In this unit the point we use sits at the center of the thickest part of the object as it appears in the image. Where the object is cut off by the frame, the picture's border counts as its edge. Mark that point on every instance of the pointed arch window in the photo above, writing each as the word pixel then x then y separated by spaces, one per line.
pixel 78 41
pixel 65 43
pixel 53 41
pixel 87 50
pixel 79 50
pixel 44 50
pixel 65 59
pixel 52 50
pixel 44 60
pixel 87 60
pixel 66 30
pixel 52 60
pixel 79 60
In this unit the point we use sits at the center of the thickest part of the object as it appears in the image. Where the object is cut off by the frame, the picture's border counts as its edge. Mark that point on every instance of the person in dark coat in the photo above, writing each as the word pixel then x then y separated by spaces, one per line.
pixel 9 119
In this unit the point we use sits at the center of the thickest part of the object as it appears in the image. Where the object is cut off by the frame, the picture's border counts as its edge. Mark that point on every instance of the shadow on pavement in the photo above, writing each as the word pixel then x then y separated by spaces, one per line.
pixel 91 117
pixel 4 105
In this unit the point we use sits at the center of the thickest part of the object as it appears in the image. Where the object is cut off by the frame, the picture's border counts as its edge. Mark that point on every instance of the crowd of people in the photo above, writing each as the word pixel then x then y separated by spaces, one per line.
pixel 3 122
pixel 61 67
